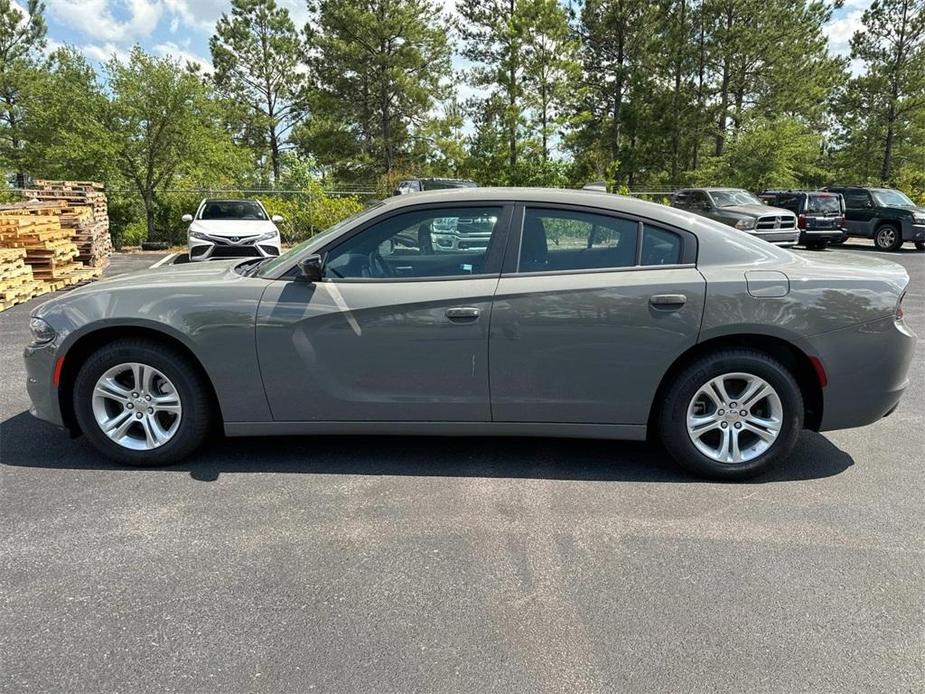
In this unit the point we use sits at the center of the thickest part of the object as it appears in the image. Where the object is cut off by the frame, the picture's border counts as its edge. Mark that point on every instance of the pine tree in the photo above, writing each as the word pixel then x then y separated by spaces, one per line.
pixel 256 51
pixel 22 38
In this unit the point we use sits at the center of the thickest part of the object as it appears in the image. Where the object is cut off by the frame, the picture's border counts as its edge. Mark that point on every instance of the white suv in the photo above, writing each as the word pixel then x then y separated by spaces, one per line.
pixel 232 229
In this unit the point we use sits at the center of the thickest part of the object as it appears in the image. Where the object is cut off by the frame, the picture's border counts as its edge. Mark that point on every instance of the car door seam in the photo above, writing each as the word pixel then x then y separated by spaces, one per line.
pixel 263 382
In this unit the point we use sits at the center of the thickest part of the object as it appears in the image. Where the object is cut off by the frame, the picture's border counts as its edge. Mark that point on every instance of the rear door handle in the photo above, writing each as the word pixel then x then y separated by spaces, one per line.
pixel 463 314
pixel 667 300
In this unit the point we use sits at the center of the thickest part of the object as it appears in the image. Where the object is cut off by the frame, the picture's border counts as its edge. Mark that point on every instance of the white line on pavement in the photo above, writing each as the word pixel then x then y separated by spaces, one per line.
pixel 164 260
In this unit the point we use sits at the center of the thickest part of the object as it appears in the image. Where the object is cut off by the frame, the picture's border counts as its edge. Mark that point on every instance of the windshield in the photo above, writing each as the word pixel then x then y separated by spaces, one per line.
pixel 268 267
pixel 731 198
pixel 823 203
pixel 892 198
pixel 232 209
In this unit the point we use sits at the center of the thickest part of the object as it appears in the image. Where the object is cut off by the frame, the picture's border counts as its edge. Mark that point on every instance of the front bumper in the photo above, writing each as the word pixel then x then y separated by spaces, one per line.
pixel 789 237
pixel 40 372
pixel 218 247
pixel 912 231
pixel 867 367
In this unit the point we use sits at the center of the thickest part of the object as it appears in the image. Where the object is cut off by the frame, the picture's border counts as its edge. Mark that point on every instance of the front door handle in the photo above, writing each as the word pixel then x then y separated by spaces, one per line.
pixel 667 301
pixel 463 314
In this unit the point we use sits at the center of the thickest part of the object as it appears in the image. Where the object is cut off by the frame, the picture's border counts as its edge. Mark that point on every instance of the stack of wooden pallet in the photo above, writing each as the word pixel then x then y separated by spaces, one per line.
pixel 17 284
pixel 87 216
pixel 49 250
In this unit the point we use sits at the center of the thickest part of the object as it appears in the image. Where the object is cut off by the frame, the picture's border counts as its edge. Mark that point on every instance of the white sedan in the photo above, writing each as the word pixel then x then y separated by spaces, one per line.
pixel 232 229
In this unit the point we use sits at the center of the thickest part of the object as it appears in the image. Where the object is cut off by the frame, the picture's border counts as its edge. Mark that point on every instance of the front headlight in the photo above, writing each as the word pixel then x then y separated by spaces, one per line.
pixel 198 235
pixel 745 224
pixel 266 237
pixel 42 332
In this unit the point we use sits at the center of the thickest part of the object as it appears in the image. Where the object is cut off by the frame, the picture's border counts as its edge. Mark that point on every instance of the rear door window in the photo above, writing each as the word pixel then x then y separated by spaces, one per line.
pixel 856 199
pixel 555 240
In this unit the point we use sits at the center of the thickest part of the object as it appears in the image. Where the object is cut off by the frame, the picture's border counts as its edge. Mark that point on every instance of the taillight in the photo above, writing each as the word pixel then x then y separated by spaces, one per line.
pixel 839 222
pixel 801 221
pixel 899 307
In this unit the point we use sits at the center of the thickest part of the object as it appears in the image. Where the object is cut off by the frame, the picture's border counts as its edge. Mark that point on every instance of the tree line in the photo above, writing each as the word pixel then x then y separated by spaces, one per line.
pixel 643 94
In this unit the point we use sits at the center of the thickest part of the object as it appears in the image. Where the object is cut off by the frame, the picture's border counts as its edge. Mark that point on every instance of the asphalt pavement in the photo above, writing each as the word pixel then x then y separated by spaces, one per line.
pixel 461 565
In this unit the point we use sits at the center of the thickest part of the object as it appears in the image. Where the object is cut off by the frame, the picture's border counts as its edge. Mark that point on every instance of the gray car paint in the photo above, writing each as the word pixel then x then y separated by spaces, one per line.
pixel 254 339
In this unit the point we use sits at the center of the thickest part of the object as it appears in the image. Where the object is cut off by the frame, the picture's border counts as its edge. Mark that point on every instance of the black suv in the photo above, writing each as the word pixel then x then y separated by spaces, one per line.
pixel 820 214
pixel 885 215
pixel 416 185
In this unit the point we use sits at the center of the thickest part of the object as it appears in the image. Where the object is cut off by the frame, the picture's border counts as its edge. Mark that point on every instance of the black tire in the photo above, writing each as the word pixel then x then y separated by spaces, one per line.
pixel 672 421
pixel 920 245
pixel 839 241
pixel 191 389
pixel 888 238
pixel 817 245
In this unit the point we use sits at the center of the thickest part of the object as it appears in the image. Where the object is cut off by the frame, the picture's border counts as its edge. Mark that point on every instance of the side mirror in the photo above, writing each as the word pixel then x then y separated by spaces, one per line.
pixel 276 219
pixel 311 268
pixel 187 218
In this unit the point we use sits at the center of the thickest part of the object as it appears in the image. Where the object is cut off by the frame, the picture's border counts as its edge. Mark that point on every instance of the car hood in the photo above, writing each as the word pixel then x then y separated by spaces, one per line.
pixel 232 227
pixel 757 210
pixel 174 277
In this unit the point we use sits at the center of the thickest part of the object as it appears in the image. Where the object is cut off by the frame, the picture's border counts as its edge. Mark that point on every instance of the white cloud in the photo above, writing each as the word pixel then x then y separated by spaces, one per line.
pixel 97 19
pixel 201 15
pixel 102 53
pixel 171 49
pixel 839 31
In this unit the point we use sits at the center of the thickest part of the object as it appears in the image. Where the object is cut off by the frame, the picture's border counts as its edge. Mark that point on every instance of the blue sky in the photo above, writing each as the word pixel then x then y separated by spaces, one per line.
pixel 102 28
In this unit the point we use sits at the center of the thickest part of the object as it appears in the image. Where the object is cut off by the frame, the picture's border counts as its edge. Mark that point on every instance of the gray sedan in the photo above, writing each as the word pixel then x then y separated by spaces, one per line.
pixel 581 315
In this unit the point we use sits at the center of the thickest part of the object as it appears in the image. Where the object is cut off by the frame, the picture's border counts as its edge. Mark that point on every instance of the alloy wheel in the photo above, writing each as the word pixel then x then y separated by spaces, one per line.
pixel 734 418
pixel 137 406
pixel 886 237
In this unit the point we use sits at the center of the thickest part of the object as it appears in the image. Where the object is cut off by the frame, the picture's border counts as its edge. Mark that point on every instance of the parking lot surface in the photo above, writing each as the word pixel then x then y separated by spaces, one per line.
pixel 465 565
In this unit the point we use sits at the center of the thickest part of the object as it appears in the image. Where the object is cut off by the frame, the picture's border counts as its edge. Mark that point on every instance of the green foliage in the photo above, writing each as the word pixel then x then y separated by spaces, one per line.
pixel 256 52
pixel 378 68
pixel 22 37
pixel 163 125
pixel 882 111
pixel 765 154
pixel 638 94
pixel 64 136
pixel 305 214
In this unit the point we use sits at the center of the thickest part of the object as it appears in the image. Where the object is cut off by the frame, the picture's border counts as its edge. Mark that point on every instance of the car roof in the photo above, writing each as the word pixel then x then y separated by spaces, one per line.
pixel 591 198
pixel 231 200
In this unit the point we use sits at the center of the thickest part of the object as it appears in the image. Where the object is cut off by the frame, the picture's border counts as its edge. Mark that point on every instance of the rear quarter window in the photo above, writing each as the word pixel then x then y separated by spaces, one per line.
pixel 660 247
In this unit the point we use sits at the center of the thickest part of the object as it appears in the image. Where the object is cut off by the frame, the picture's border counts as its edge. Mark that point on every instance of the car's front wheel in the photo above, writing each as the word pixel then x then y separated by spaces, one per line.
pixel 141 403
pixel 888 238
pixel 732 415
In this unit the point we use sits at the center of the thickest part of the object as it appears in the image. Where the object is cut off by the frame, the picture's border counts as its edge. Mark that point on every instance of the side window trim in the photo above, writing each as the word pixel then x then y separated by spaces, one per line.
pixel 493 256
pixel 515 233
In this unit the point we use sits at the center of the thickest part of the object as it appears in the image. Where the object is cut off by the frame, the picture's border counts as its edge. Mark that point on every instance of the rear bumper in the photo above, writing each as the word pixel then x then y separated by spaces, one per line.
pixel 820 235
pixel 867 367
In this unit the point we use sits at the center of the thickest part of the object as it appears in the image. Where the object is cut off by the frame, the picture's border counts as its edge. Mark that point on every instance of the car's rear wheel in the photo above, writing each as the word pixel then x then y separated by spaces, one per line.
pixel 920 245
pixel 888 238
pixel 816 245
pixel 141 403
pixel 732 415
